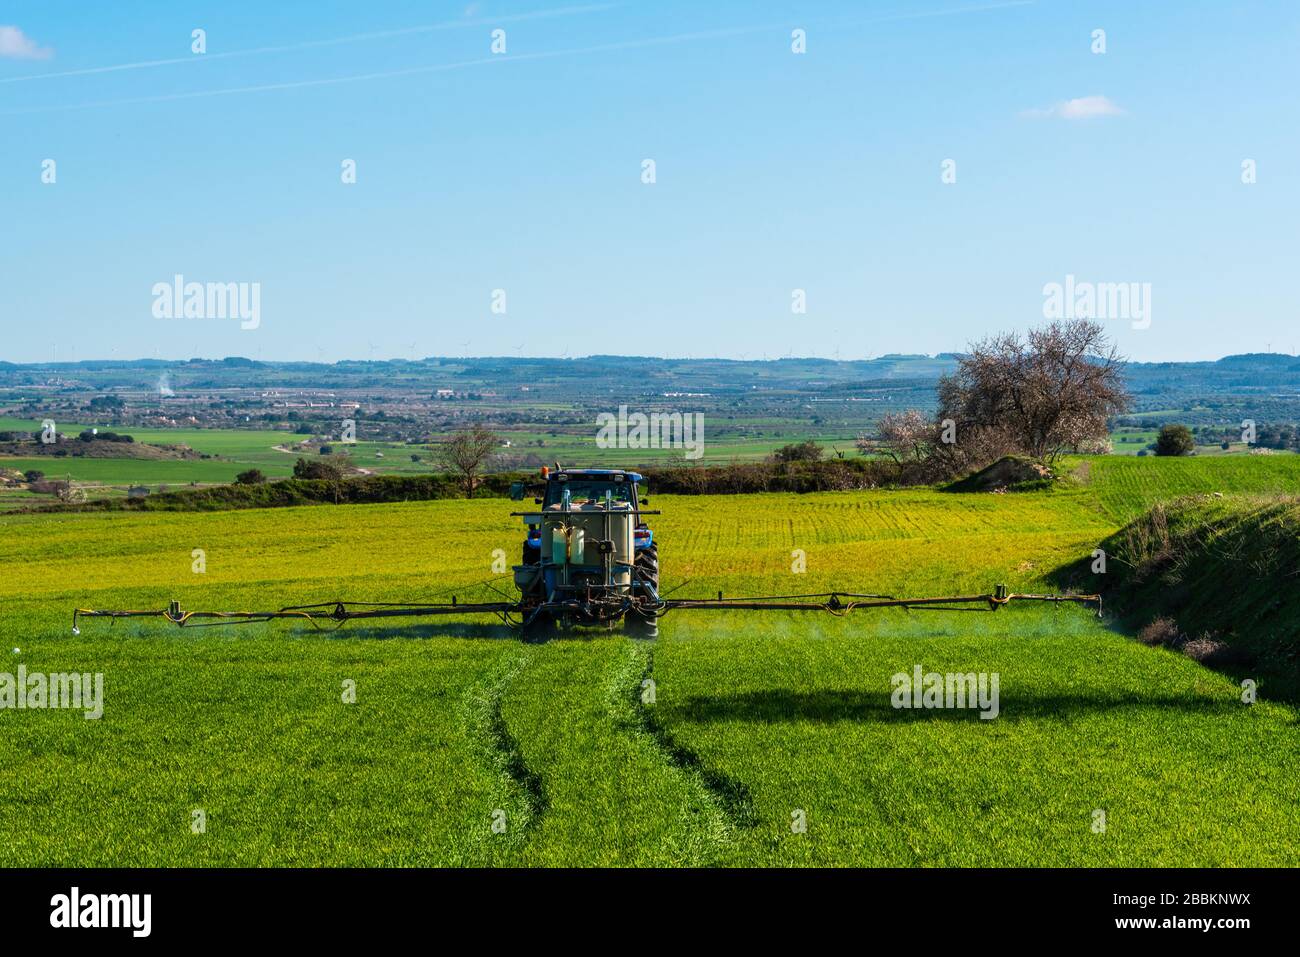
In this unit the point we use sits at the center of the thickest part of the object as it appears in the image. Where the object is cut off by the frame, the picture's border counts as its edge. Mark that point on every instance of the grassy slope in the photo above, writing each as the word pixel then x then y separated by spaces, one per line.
pixel 755 716
pixel 1226 567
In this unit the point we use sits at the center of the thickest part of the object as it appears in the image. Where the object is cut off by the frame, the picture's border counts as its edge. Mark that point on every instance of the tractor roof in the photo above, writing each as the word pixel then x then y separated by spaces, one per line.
pixel 598 473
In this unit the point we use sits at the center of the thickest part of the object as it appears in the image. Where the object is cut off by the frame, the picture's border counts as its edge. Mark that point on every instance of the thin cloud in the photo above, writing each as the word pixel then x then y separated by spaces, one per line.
pixel 17 45
pixel 483 61
pixel 1080 108
pixel 314 44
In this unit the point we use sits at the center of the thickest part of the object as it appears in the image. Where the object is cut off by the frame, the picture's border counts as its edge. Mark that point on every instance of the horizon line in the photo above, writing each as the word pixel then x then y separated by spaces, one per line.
pixel 72 363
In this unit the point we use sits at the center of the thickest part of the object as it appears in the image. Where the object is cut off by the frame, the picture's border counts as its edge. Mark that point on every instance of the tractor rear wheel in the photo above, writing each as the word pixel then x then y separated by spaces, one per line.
pixel 639 626
pixel 647 566
pixel 540 628
pixel 647 570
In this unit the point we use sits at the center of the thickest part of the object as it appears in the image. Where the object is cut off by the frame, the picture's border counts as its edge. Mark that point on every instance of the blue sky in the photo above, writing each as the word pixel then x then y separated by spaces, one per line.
pixel 523 172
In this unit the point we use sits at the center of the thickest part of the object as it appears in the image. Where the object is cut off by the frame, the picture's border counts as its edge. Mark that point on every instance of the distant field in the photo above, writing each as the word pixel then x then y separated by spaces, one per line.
pixel 129 471
pixel 571 449
pixel 757 718
pixel 1124 486
pixel 236 450
pixel 231 442
pixel 1155 477
pixel 1133 441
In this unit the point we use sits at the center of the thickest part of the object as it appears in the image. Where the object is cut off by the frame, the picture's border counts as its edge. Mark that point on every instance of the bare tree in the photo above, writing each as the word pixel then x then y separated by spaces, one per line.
pixel 467 454
pixel 1053 391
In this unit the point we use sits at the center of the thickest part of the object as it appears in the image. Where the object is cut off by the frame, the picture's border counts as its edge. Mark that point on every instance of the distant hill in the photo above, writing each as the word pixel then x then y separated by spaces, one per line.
pixel 1264 386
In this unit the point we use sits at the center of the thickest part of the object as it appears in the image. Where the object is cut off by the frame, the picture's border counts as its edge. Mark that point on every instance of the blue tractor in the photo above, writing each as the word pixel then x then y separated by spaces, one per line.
pixel 589 557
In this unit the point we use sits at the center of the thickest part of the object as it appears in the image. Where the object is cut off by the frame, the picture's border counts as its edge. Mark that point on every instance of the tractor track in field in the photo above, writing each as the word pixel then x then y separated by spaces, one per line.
pixel 730 798
pixel 486 726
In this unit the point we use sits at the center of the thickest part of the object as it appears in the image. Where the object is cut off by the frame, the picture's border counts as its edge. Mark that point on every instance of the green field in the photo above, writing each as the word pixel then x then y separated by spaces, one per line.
pixel 1125 486
pixel 233 451
pixel 1131 441
pixel 757 718
pixel 239 449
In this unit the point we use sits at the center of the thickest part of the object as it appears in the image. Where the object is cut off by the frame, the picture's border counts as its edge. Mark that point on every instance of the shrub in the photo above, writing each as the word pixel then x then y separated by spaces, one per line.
pixel 251 477
pixel 90 435
pixel 33 475
pixel 1161 631
pixel 55 487
pixel 1096 446
pixel 71 494
pixel 798 452
pixel 1207 650
pixel 327 470
pixel 740 478
pixel 1175 440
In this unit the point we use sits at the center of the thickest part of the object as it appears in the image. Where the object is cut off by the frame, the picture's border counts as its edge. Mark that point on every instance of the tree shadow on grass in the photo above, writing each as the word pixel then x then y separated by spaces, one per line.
pixel 828 707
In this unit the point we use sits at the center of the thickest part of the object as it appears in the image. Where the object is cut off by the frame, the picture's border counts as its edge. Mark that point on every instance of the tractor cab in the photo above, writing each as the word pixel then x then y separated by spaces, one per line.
pixel 585 489
pixel 584 484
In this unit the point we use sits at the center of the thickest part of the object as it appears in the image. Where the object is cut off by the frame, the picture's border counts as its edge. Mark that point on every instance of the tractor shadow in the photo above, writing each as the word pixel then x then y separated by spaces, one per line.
pixel 470 631
pixel 477 632
pixel 829 707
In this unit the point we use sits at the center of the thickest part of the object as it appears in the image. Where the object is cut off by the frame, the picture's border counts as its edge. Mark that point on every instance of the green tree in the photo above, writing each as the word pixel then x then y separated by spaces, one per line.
pixel 798 452
pixel 319 469
pixel 1175 440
